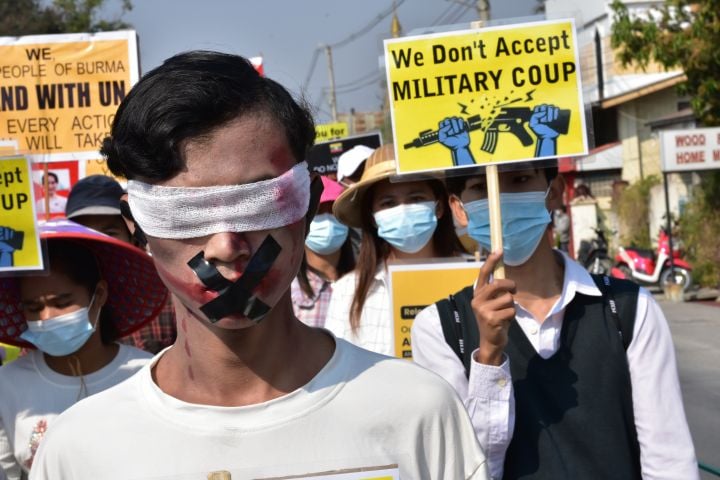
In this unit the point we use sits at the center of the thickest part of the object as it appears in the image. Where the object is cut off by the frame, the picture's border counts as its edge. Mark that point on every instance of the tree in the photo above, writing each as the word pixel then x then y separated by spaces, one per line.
pixel 32 17
pixel 681 33
pixel 686 34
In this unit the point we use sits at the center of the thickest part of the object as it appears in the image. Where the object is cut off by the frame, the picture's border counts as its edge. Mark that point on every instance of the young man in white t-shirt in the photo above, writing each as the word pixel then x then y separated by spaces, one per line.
pixel 213 153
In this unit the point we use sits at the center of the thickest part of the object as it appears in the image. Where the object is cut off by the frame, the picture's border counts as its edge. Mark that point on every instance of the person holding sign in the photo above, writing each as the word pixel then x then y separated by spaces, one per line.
pixel 565 375
pixel 399 221
pixel 214 157
pixel 328 256
pixel 98 290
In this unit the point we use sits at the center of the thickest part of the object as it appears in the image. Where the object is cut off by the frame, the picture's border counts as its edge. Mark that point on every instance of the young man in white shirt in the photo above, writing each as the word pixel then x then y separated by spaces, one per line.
pixel 214 157
pixel 557 386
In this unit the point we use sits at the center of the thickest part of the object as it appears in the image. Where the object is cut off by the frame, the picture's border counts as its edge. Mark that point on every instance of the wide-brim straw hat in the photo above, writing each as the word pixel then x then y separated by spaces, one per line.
pixel 379 166
pixel 136 295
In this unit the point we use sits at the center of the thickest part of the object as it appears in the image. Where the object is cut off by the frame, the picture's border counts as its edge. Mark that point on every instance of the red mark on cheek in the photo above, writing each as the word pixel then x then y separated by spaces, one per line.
pixel 183 324
pixel 191 374
pixel 269 282
pixel 192 289
pixel 187 349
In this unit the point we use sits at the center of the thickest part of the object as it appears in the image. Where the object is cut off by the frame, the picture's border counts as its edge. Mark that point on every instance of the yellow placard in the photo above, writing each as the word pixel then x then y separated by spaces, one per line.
pixel 59 93
pixel 414 287
pixel 8 353
pixel 19 235
pixel 330 131
pixel 485 96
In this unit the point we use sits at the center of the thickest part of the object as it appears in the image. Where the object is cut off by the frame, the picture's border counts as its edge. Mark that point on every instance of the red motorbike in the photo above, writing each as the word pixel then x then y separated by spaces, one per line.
pixel 653 267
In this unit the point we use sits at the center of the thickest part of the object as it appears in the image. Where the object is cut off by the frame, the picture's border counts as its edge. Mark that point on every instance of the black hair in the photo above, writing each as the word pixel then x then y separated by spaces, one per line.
pixel 187 97
pixel 51 174
pixel 456 183
pixel 79 264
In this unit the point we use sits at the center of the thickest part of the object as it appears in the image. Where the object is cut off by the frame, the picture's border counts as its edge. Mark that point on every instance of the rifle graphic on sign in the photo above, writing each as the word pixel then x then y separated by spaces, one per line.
pixel 510 119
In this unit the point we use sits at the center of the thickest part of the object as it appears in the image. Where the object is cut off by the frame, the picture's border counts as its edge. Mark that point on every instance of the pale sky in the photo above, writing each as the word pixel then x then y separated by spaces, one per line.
pixel 287 33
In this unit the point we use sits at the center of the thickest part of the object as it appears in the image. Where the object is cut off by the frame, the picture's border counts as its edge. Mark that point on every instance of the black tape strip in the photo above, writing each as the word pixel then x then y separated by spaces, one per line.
pixel 238 297
pixel 207 273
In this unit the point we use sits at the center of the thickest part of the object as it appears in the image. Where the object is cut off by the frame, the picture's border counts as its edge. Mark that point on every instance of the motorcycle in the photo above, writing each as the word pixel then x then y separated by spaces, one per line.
pixel 651 267
pixel 593 254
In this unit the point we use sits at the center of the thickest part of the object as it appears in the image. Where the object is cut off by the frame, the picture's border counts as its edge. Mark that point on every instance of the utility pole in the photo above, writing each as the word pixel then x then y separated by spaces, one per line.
pixel 331 73
pixel 483 9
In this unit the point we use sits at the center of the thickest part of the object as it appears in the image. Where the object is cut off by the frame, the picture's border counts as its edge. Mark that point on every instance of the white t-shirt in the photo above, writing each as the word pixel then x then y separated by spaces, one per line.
pixel 376 324
pixel 32 395
pixel 362 410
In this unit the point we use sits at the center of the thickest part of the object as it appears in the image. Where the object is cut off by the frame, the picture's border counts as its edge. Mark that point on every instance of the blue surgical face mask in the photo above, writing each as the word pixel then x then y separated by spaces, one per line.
pixel 407 227
pixel 524 221
pixel 326 234
pixel 62 335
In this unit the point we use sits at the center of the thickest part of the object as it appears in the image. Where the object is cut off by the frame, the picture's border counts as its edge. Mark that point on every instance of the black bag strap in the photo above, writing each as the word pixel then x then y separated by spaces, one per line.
pixel 621 300
pixel 459 325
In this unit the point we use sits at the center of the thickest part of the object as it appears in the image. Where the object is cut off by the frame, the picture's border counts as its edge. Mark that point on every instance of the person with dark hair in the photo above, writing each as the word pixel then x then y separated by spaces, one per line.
pixel 95 202
pixel 97 290
pixel 400 220
pixel 328 257
pixel 565 375
pixel 214 157
pixel 57 202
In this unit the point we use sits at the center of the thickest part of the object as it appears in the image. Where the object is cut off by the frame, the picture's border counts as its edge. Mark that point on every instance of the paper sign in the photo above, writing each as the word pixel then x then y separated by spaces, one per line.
pixel 19 235
pixel 485 96
pixel 330 131
pixel 690 150
pixel 323 157
pixel 62 177
pixel 59 93
pixel 370 473
pixel 414 287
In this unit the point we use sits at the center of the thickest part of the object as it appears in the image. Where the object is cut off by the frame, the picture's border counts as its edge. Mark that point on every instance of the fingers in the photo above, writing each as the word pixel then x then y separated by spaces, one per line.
pixel 486 270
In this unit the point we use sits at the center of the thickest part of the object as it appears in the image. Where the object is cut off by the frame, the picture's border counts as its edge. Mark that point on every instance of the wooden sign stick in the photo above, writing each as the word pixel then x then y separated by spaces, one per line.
pixel 493 192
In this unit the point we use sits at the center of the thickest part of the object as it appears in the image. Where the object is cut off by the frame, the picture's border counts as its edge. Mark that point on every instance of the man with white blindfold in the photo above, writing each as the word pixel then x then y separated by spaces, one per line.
pixel 213 154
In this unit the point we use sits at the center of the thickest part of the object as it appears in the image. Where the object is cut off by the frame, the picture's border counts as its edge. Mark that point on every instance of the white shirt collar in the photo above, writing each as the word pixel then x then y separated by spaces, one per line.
pixel 575 280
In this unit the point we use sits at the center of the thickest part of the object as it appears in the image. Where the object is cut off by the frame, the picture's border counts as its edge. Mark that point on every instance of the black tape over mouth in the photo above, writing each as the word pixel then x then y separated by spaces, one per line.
pixel 237 297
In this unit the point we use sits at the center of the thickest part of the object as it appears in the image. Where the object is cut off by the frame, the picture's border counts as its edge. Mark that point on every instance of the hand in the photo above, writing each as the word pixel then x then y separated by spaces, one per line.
pixel 453 133
pixel 494 309
pixel 540 120
pixel 6 235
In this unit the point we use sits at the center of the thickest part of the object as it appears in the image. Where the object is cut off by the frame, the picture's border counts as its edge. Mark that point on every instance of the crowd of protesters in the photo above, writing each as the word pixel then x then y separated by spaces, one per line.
pixel 262 292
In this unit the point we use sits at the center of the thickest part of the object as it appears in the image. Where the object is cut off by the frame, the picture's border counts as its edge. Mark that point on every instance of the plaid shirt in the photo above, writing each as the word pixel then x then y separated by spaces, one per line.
pixel 311 310
pixel 156 335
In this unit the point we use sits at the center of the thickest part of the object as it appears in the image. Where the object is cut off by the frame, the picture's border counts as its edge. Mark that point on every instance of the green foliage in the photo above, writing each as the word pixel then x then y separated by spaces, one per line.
pixel 682 33
pixel 33 17
pixel 633 207
pixel 700 230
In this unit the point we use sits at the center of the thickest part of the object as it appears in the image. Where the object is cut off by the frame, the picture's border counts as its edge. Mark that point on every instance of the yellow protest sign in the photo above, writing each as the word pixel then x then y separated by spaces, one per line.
pixel 485 96
pixel 59 93
pixel 414 287
pixel 19 236
pixel 330 131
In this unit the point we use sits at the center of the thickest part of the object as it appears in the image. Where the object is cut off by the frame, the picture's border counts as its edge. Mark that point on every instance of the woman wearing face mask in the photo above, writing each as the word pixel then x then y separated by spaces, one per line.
pixel 328 256
pixel 407 220
pixel 98 289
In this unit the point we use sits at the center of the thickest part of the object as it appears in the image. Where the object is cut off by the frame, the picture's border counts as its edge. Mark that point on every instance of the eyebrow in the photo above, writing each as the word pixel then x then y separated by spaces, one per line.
pixel 60 296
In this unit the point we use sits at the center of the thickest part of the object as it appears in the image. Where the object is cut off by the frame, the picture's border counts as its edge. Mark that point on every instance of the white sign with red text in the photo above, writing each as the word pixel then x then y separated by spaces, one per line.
pixel 689 150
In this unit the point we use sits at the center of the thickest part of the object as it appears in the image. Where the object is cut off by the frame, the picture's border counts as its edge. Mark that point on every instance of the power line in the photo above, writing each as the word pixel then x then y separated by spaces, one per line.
pixel 378 18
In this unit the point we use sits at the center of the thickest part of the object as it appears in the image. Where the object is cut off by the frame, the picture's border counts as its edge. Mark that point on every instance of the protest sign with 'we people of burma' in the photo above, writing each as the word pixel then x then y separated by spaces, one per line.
pixel 485 96
pixel 59 93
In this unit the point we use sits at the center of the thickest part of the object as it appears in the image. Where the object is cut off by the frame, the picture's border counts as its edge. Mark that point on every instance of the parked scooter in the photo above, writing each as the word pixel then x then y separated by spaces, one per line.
pixel 593 254
pixel 653 267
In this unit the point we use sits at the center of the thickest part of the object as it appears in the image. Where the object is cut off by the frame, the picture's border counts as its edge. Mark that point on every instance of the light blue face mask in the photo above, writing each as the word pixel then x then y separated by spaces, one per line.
pixel 326 234
pixel 407 227
pixel 62 335
pixel 524 221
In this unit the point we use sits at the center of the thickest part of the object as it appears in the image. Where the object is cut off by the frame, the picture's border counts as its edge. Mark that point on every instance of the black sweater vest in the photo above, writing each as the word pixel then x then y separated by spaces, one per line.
pixel 573 412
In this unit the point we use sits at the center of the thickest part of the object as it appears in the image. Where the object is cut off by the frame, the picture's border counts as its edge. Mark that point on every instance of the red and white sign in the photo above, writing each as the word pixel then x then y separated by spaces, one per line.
pixel 689 150
pixel 257 62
